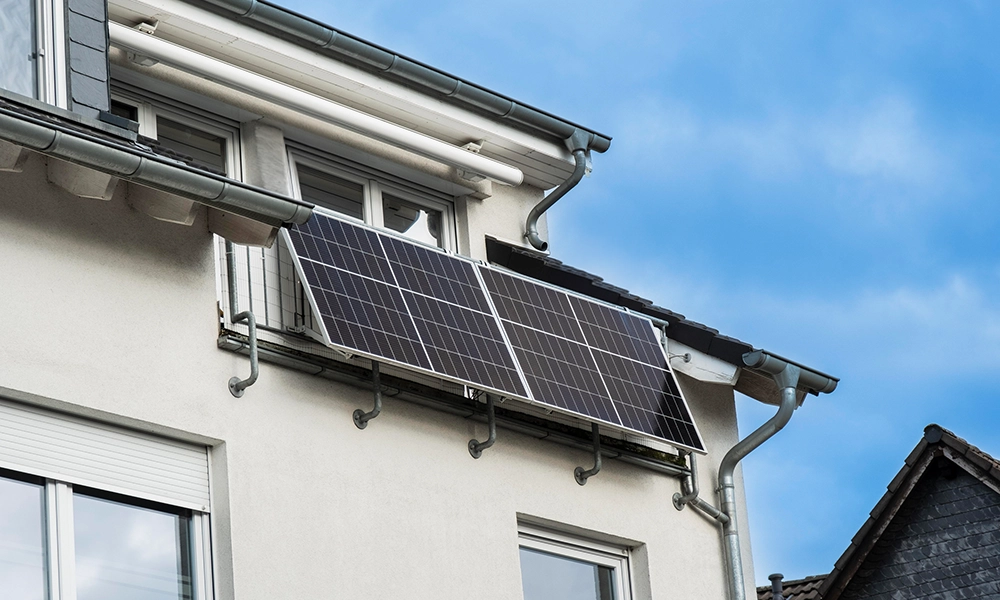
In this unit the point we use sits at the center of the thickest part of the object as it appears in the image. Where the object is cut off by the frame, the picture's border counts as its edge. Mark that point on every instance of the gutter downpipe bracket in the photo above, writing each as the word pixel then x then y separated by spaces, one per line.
pixel 361 417
pixel 236 385
pixel 579 473
pixel 476 447
pixel 579 144
pixel 789 377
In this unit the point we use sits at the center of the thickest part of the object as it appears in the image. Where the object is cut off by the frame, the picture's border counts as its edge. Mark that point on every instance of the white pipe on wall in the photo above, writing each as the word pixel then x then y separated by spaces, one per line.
pixel 286 95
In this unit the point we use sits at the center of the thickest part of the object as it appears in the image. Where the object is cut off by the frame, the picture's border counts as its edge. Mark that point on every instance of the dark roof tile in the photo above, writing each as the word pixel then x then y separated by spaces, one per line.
pixel 798 589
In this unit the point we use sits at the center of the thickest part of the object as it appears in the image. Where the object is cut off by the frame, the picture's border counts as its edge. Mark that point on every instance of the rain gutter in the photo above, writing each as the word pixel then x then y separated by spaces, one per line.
pixel 144 168
pixel 434 82
pixel 791 379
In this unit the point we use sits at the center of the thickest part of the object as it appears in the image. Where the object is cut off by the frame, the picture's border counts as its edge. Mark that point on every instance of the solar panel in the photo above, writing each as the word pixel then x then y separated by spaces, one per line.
pixel 591 359
pixel 397 301
pixel 348 277
pixel 459 331
pixel 393 300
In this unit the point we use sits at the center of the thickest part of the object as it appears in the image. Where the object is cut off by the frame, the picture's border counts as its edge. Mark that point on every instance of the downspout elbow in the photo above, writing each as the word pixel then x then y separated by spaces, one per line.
pixel 579 144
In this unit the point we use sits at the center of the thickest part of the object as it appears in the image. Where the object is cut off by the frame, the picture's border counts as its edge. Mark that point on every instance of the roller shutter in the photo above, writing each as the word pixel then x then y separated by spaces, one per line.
pixel 84 452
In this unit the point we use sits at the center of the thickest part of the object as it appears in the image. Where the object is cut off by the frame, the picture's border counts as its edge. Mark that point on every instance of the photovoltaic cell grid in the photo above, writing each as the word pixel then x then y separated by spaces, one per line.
pixel 591 359
pixel 392 299
pixel 405 303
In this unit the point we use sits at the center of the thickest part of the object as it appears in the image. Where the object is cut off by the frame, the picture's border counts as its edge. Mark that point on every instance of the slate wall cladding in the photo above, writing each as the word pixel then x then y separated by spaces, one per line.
pixel 87 47
pixel 944 543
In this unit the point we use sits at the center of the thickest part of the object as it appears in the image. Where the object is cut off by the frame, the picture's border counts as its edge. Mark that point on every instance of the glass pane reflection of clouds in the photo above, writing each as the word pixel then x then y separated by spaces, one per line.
pixel 17 46
pixel 412 220
pixel 549 577
pixel 22 549
pixel 126 552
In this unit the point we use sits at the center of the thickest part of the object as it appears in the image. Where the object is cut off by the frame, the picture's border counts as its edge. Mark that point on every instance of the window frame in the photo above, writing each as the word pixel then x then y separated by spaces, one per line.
pixel 618 558
pixel 149 108
pixel 52 84
pixel 59 541
pixel 374 183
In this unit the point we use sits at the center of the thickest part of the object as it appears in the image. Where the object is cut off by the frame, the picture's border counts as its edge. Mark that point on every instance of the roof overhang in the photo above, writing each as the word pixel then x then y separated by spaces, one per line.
pixel 542 157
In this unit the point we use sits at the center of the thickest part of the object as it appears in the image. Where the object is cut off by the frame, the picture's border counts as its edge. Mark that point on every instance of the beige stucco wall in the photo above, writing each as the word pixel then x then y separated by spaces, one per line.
pixel 104 308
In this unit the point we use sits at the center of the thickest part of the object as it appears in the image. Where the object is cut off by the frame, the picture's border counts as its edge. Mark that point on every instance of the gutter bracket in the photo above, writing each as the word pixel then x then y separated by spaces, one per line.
pixel 236 385
pixel 581 475
pixel 361 417
pixel 476 447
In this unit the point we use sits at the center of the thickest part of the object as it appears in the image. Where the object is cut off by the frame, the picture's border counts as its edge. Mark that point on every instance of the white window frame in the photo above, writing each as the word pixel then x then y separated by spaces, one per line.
pixel 617 558
pixel 148 109
pixel 50 44
pixel 374 183
pixel 60 546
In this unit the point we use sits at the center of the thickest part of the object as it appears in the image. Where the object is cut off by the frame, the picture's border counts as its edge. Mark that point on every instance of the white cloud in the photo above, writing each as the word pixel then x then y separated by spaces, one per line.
pixel 883 141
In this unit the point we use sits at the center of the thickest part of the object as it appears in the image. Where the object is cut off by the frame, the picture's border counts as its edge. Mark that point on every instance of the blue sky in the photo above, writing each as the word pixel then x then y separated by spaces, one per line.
pixel 819 179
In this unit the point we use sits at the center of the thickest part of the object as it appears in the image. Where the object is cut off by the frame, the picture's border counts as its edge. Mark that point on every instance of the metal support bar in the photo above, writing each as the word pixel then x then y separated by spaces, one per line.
pixel 581 475
pixel 476 447
pixel 361 417
pixel 237 385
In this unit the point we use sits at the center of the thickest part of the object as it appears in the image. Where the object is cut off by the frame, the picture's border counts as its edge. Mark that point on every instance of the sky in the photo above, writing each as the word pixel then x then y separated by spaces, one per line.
pixel 818 179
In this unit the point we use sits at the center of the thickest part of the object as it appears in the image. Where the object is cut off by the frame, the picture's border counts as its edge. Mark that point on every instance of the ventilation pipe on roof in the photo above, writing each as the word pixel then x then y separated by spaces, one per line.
pixel 790 378
pixel 579 144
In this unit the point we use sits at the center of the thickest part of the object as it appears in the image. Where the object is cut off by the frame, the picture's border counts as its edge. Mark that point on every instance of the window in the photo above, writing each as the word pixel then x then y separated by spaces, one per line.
pixel 94 512
pixel 559 567
pixel 102 546
pixel 197 137
pixel 376 199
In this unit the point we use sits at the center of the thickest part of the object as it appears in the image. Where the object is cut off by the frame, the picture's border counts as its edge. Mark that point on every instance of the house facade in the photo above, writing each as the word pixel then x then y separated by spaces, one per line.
pixel 180 416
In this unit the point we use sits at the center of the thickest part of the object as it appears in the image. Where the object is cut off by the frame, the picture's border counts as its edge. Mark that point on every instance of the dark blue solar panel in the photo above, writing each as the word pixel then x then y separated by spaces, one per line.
pixel 417 306
pixel 591 359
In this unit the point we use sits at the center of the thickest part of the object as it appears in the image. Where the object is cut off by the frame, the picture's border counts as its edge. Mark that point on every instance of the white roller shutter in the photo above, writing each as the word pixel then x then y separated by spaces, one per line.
pixel 80 451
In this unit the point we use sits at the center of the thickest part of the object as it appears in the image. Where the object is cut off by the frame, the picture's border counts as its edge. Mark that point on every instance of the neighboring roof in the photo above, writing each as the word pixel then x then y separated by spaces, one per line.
pixel 544 268
pixel 119 152
pixel 798 589
pixel 344 47
pixel 937 443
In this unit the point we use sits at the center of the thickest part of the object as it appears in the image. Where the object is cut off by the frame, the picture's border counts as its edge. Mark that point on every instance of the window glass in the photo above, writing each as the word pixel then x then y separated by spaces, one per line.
pixel 17 46
pixel 22 546
pixel 127 552
pixel 547 576
pixel 205 148
pixel 328 191
pixel 125 111
pixel 412 220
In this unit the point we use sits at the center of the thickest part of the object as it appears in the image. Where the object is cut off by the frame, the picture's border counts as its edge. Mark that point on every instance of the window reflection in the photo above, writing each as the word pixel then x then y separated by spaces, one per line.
pixel 332 192
pixel 22 545
pixel 17 50
pixel 412 220
pixel 128 552
pixel 550 577
pixel 205 149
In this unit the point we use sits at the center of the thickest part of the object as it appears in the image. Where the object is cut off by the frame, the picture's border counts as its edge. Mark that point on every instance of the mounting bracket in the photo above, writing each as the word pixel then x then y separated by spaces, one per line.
pixel 361 417
pixel 581 475
pixel 476 447
pixel 236 385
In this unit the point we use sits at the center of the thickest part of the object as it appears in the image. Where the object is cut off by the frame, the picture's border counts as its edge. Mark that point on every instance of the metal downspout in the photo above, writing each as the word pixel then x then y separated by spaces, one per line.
pixel 727 485
pixel 790 378
pixel 579 145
